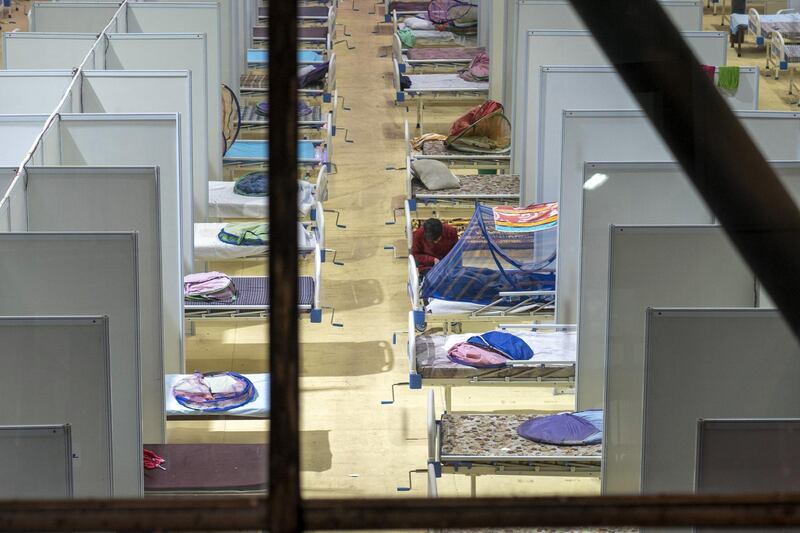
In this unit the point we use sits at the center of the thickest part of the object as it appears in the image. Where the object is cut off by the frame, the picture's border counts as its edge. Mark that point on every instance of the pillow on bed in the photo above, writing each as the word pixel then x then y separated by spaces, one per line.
pixel 434 175
pixel 418 23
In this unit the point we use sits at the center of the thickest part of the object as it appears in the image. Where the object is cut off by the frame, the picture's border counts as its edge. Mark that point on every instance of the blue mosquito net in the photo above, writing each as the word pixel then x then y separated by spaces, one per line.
pixel 487 261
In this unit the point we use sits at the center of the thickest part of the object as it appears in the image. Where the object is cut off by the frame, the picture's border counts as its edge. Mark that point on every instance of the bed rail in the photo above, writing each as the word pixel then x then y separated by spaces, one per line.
pixel 414 379
pixel 320 228
pixel 433 431
pixel 754 26
pixel 407 139
pixel 397 52
pixel 317 309
pixel 400 95
pixel 413 290
pixel 330 85
pixel 409 178
pixel 409 230
pixel 777 54
pixel 321 187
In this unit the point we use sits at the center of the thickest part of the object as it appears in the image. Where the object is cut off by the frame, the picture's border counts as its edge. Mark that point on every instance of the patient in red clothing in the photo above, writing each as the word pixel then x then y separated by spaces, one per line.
pixel 431 242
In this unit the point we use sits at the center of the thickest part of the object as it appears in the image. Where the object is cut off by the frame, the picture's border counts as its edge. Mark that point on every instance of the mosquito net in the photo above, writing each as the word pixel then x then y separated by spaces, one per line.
pixel 453 12
pixel 502 249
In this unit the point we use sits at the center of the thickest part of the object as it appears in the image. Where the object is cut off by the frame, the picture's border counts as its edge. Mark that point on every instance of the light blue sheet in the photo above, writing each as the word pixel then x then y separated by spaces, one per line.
pixel 259 150
pixel 261 57
pixel 738 20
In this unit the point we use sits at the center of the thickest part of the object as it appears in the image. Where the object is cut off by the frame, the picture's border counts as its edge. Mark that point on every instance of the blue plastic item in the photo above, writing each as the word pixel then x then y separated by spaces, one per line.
pixel 566 429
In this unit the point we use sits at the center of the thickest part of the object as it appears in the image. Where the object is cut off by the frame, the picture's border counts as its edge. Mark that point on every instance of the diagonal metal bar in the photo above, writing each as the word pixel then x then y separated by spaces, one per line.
pixel 284 354
pixel 706 138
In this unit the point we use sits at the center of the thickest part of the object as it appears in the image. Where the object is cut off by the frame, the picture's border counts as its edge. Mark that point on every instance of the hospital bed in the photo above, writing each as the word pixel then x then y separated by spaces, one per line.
pixel 253 300
pixel 432 88
pixel 433 59
pixel 307 14
pixel 258 408
pixel 489 189
pixel 436 36
pixel 392 8
pixel 516 306
pixel 310 153
pixel 553 363
pixel 784 56
pixel 318 37
pixel 198 469
pixel 258 84
pixel 259 59
pixel 453 158
pixel 224 203
pixel 208 247
pixel 314 123
pixel 761 27
pixel 488 444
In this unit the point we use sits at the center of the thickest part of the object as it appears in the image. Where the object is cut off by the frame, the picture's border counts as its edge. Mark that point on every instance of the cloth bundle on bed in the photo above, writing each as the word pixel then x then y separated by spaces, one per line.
pixel 453 15
pixel 486 261
pixel 583 428
pixel 226 201
pixel 214 392
pixel 529 219
pixel 245 234
pixel 412 38
pixel 490 349
pixel 555 354
pixel 483 129
pixel 209 287
pixel 478 69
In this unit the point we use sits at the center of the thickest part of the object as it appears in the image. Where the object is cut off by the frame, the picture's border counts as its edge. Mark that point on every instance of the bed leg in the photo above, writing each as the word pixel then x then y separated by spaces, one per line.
pixel 191 331
pixel 473 486
pixel 448 398
pixel 419 115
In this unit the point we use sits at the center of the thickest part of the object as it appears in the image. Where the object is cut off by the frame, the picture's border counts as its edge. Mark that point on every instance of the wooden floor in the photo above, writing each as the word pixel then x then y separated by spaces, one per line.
pixel 352 445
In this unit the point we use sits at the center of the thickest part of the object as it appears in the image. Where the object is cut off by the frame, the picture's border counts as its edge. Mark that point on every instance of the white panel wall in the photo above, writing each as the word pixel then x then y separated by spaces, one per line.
pixel 587 138
pixel 118 199
pixel 562 47
pixel 185 17
pixel 99 276
pixel 177 52
pixel 24 50
pixel 17 134
pixel 32 91
pixel 74 17
pixel 667 266
pixel 148 92
pixel 587 88
pixel 39 462
pixel 70 359
pixel 711 353
pixel 525 15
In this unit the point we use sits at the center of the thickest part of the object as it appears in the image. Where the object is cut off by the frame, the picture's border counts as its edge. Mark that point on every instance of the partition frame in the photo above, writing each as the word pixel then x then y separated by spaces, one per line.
pixel 66 435
pixel 8 37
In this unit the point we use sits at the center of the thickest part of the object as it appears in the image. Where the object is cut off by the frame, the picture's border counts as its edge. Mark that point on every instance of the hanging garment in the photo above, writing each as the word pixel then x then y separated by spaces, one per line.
pixel 529 219
pixel 728 78
pixel 570 429
pixel 710 70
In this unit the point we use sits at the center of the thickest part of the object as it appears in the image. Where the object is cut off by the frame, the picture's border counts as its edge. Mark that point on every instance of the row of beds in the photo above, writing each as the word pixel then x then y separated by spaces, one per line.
pixel 469 443
pixel 241 468
pixel 778 33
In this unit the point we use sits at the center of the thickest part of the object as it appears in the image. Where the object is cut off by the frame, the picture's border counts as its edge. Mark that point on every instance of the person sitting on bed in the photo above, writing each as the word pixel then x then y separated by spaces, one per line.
pixel 431 242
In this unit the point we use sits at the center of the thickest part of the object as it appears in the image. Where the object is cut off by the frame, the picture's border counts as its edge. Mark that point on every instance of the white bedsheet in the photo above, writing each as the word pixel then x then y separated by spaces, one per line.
pixel 224 203
pixel 547 346
pixel 447 81
pixel 259 407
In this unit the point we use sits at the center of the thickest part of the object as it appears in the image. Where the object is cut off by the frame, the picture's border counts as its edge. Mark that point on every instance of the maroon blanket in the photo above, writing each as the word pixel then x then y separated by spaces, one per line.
pixel 408 6
pixel 208 468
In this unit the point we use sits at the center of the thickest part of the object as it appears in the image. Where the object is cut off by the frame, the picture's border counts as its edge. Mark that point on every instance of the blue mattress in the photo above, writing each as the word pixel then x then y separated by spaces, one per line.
pixel 259 150
pixel 261 57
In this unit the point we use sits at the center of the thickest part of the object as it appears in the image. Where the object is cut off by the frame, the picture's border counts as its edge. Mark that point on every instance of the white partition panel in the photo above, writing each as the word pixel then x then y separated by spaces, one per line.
pixel 186 17
pixel 37 462
pixel 24 50
pixel 78 17
pixel 633 193
pixel 586 88
pixel 587 138
pixel 98 276
pixel 712 354
pixel 572 47
pixel 155 91
pixel 17 133
pixel 528 15
pixel 176 52
pixel 108 140
pixel 31 91
pixel 652 266
pixel 120 199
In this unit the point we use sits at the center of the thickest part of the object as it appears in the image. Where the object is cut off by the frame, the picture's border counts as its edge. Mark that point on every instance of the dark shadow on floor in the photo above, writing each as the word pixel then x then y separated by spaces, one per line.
pixel 345 359
pixel 349 295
